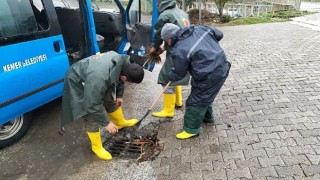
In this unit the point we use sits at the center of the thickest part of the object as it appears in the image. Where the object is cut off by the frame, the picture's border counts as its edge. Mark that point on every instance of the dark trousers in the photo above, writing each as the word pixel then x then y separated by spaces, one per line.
pixel 194 116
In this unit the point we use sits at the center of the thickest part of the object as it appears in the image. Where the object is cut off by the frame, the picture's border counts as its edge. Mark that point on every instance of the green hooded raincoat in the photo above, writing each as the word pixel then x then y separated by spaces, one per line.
pixel 169 13
pixel 86 84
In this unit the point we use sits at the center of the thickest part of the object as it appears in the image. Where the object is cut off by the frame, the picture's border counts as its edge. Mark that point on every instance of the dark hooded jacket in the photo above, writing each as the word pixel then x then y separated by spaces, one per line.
pixel 169 13
pixel 86 83
pixel 196 50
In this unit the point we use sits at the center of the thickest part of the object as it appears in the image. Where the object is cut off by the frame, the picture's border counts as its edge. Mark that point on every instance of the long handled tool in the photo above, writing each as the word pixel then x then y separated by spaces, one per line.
pixel 155 101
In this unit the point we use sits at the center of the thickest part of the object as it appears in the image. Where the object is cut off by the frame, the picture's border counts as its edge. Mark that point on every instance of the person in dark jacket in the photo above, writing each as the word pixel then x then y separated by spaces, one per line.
pixel 169 13
pixel 196 50
pixel 93 89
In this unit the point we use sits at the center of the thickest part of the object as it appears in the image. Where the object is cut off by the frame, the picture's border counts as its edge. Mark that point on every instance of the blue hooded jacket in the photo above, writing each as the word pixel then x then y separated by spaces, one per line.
pixel 196 50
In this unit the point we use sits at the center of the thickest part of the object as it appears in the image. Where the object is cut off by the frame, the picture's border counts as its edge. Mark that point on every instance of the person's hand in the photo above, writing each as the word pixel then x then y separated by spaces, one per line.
pixel 119 101
pixel 152 50
pixel 111 128
pixel 162 49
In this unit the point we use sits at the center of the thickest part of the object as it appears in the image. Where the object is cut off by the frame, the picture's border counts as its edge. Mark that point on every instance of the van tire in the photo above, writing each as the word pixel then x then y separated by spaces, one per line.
pixel 14 130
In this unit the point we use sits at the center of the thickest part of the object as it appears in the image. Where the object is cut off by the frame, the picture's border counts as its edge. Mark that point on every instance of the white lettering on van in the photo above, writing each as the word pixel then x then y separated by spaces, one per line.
pixel 24 63
pixel 12 66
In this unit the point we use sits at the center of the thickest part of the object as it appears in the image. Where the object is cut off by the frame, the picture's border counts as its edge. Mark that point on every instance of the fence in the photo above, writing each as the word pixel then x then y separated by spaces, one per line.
pixel 244 10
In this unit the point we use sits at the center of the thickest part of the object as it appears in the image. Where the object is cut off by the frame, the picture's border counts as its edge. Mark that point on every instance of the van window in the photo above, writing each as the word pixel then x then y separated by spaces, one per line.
pixel 140 12
pixel 107 6
pixel 17 18
pixel 72 4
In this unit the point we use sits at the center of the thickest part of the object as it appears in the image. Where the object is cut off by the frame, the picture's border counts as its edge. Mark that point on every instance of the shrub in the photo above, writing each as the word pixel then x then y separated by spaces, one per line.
pixel 225 18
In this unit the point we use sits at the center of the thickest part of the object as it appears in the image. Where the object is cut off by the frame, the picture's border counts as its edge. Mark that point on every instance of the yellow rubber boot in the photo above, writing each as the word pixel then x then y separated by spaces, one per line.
pixel 185 135
pixel 178 91
pixel 168 106
pixel 96 146
pixel 118 119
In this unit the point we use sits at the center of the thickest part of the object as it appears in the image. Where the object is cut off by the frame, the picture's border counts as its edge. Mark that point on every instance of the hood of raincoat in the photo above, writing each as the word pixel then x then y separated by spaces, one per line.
pixel 166 4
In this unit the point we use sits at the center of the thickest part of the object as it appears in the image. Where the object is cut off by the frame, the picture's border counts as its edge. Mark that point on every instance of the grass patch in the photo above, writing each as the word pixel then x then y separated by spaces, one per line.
pixel 253 20
pixel 313 1
pixel 278 16
pixel 289 14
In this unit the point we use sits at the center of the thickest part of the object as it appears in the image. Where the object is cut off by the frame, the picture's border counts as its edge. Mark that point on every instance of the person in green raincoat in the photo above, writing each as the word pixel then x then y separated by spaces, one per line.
pixel 93 89
pixel 169 13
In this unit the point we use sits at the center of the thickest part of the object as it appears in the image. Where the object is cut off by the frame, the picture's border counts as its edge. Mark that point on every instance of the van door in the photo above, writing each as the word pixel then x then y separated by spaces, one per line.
pixel 34 59
pixel 77 28
pixel 109 19
pixel 125 25
pixel 141 16
pixel 33 62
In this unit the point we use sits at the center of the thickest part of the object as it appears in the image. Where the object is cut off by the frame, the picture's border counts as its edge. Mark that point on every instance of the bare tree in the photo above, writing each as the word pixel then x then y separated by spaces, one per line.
pixel 186 2
pixel 220 5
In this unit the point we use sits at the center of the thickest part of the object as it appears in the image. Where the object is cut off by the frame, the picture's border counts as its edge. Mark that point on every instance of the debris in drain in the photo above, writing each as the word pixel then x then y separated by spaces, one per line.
pixel 140 144
pixel 122 146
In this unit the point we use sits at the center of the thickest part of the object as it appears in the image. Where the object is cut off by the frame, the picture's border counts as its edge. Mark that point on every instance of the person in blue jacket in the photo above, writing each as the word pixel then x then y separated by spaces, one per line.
pixel 196 49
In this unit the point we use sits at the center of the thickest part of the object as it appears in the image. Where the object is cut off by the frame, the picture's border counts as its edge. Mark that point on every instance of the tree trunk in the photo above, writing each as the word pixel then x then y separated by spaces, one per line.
pixel 220 9
pixel 220 5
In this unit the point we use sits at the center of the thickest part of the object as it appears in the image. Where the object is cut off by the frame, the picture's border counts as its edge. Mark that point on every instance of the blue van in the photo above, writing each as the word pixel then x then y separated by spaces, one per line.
pixel 40 39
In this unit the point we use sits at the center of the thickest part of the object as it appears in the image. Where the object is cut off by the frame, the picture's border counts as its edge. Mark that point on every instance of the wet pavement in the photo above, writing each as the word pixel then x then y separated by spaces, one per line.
pixel 267 121
pixel 310 21
pixel 267 113
pixel 44 154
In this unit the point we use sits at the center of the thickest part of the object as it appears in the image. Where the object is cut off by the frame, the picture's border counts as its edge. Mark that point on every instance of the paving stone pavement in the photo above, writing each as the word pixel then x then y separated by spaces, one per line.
pixel 311 21
pixel 271 99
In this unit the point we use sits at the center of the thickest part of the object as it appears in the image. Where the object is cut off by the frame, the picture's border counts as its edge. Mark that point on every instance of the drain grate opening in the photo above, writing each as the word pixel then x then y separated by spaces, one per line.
pixel 133 143
pixel 123 146
pixel 140 149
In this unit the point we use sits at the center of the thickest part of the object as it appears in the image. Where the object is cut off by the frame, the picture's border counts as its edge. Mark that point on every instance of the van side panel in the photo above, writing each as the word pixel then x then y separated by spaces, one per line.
pixel 31 74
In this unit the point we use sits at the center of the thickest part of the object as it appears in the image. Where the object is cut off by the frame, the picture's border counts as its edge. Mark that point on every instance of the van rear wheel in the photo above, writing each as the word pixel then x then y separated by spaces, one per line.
pixel 14 130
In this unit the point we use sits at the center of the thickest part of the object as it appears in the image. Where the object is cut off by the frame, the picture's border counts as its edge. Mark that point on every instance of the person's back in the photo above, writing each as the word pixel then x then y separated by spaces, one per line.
pixel 96 62
pixel 196 48
pixel 200 45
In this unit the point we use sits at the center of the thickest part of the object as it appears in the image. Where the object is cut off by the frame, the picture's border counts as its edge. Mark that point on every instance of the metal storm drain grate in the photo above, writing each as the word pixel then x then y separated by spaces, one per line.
pixel 123 147
pixel 133 143
pixel 140 149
